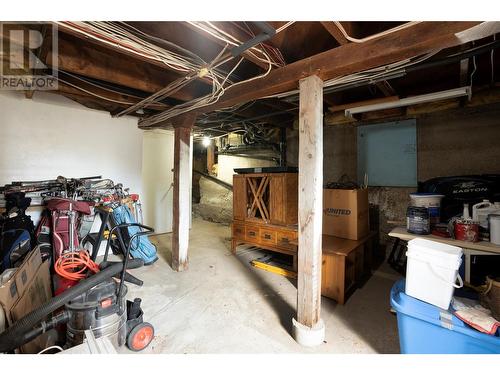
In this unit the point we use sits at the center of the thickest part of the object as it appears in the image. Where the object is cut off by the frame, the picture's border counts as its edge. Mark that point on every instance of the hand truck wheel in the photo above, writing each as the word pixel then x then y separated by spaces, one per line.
pixel 140 336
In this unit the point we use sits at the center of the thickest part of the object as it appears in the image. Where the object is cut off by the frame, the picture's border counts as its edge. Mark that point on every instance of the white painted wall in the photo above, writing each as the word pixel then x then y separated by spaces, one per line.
pixel 49 135
pixel 227 163
pixel 157 178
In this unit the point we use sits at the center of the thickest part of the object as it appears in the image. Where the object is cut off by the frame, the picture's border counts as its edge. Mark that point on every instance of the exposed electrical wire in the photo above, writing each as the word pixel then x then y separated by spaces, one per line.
pixel 92 93
pixel 222 35
pixel 369 75
pixel 280 29
pixel 355 40
pixel 203 101
pixel 91 83
pixel 274 51
pixel 126 37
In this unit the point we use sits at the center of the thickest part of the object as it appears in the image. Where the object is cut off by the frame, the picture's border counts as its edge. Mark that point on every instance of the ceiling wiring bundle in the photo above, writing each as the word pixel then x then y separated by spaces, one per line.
pixel 126 37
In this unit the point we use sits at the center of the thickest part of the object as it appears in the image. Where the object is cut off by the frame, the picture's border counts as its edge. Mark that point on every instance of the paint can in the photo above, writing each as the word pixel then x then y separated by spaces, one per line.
pixel 466 230
pixel 430 201
pixel 417 220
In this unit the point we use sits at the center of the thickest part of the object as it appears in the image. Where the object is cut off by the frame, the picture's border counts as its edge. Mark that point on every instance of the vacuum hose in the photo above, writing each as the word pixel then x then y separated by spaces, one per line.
pixel 20 332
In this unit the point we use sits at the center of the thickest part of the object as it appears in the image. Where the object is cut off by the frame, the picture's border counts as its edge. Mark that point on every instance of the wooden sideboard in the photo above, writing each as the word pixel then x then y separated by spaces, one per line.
pixel 265 211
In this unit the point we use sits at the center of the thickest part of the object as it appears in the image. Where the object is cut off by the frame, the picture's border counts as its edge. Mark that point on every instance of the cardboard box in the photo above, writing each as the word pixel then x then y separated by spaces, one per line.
pixel 12 290
pixel 36 293
pixel 346 213
pixel 26 290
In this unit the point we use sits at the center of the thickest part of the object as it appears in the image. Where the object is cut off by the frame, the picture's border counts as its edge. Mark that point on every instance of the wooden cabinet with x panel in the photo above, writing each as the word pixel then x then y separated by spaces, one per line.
pixel 265 211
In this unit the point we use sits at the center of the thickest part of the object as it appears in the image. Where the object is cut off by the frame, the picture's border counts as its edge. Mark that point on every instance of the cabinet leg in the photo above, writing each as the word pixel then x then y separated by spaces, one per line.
pixel 233 246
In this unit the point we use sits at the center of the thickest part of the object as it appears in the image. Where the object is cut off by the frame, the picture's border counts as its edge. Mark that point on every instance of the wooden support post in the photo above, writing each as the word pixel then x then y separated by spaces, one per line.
pixel 181 204
pixel 308 328
pixel 210 158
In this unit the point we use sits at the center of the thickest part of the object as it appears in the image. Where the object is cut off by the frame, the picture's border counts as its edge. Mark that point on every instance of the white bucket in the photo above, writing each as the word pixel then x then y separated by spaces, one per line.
pixel 430 201
pixel 495 229
pixel 431 271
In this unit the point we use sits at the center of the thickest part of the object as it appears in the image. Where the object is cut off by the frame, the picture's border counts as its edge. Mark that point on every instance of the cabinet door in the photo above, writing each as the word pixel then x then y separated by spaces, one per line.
pixel 239 197
pixel 277 203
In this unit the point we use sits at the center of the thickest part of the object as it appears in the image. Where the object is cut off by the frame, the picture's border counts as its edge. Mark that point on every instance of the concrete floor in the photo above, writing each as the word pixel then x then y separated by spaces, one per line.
pixel 224 305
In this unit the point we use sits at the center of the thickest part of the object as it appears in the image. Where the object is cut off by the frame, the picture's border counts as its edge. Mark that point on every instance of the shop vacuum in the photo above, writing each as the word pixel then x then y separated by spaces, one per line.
pixel 97 303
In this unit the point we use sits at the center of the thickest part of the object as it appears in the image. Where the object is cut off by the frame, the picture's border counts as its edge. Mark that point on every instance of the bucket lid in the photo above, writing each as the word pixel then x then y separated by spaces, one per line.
pixel 426 195
pixel 435 249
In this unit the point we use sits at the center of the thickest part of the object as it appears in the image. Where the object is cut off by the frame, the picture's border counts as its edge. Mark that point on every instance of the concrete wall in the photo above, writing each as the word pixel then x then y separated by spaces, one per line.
pixel 449 144
pixel 459 143
pixel 339 152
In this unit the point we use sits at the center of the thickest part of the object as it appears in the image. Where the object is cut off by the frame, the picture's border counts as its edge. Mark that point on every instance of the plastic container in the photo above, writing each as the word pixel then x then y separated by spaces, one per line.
pixel 480 213
pixel 494 228
pixel 425 329
pixel 431 271
pixel 430 201
pixel 417 220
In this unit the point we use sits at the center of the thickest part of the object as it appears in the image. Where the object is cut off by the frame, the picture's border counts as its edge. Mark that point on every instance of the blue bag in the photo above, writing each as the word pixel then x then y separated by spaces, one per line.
pixel 141 247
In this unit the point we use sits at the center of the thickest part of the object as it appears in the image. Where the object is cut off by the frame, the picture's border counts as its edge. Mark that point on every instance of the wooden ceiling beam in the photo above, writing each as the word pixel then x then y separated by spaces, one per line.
pixel 96 63
pixel 68 31
pixel 386 88
pixel 350 58
pixel 335 32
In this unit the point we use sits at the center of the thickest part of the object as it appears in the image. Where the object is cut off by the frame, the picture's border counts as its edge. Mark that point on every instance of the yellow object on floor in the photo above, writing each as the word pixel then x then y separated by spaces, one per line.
pixel 273 269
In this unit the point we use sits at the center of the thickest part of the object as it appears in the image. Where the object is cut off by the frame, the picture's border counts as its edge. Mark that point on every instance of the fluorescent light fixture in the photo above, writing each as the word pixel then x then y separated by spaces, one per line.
pixel 435 96
pixel 206 141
